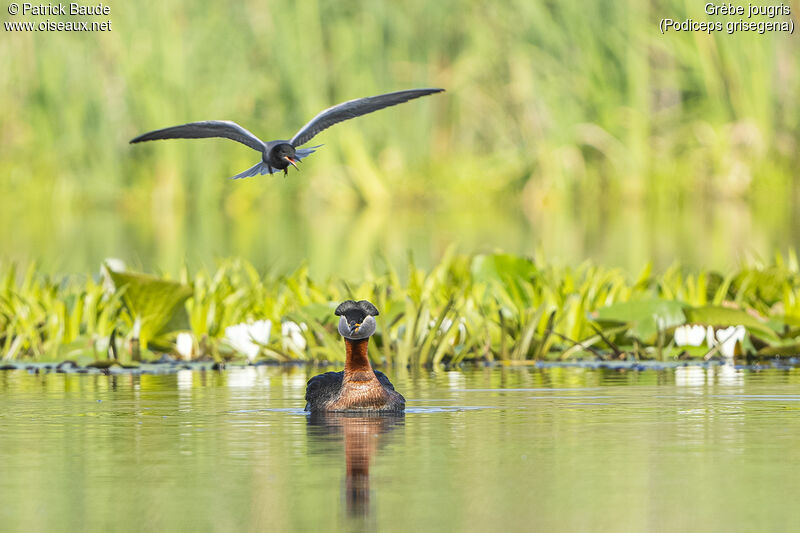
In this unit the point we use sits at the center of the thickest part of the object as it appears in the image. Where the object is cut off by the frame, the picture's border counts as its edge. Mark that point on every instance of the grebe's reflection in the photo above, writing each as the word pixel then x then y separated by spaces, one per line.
pixel 363 436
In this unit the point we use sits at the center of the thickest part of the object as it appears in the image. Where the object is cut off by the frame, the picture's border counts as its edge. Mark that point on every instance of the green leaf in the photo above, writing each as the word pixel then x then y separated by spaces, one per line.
pixel 785 350
pixel 322 313
pixel 766 284
pixel 645 317
pixel 156 303
pixel 718 316
pixel 501 267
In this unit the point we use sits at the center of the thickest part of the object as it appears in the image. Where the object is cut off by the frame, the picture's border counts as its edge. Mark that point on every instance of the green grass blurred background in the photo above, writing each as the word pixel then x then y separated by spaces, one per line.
pixel 573 128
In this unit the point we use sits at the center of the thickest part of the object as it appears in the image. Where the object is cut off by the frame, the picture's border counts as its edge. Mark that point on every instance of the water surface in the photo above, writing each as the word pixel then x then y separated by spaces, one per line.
pixel 555 449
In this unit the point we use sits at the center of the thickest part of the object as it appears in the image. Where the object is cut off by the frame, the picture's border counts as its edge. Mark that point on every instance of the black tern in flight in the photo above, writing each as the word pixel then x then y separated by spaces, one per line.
pixel 278 155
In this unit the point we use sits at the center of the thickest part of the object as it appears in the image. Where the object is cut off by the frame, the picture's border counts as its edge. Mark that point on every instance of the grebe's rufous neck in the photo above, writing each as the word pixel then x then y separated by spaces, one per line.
pixel 278 155
pixel 358 387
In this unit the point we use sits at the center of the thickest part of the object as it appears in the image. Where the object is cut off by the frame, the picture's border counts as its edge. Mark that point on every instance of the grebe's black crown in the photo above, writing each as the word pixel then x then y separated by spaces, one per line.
pixel 356 322
pixel 360 309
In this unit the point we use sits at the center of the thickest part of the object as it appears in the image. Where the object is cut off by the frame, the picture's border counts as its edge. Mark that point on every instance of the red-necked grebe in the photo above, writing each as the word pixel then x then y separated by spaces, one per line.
pixel 278 155
pixel 358 387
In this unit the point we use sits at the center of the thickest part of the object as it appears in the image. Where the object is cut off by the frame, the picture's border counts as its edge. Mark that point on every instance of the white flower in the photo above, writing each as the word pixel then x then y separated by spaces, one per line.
pixel 727 339
pixel 184 345
pixel 690 335
pixel 248 338
pixel 114 265
pixel 445 326
pixel 292 338
pixel 462 330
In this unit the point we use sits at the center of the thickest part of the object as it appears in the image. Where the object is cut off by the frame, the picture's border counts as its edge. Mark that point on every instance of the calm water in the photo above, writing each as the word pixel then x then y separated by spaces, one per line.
pixel 559 449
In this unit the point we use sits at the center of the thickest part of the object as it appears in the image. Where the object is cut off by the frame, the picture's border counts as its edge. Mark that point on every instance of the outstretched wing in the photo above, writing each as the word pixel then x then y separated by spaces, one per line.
pixel 208 128
pixel 353 109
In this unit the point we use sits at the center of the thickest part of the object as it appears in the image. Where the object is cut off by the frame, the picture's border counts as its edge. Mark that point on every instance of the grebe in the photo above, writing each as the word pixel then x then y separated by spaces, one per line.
pixel 278 155
pixel 358 387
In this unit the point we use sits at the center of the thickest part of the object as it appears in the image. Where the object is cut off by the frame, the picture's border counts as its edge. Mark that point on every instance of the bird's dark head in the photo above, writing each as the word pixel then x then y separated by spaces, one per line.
pixel 285 154
pixel 356 322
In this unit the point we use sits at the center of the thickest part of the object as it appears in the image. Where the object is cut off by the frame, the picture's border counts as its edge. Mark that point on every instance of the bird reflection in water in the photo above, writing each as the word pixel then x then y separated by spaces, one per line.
pixel 363 435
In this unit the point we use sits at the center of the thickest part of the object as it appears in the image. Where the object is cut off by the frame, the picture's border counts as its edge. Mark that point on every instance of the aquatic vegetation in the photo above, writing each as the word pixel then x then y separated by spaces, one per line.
pixel 155 306
pixel 293 339
pixel 690 335
pixel 494 307
pixel 727 340
pixel 184 345
pixel 248 339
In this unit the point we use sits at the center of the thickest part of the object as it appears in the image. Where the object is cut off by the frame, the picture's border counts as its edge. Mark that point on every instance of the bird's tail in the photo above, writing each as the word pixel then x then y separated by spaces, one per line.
pixel 255 170
pixel 262 168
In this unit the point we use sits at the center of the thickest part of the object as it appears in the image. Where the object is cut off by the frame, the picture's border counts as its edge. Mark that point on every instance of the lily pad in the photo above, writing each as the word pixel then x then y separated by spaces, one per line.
pixel 786 350
pixel 155 302
pixel 718 316
pixel 646 317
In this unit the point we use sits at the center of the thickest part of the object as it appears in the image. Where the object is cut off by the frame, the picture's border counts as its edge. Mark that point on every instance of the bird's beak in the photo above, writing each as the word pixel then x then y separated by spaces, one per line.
pixel 291 161
pixel 354 328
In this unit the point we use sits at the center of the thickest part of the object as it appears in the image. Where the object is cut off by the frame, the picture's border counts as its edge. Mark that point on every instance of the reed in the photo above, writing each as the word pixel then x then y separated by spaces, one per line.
pixel 564 98
pixel 485 307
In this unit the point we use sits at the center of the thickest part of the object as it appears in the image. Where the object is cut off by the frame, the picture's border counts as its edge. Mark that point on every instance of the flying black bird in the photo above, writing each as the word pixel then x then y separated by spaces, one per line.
pixel 278 155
